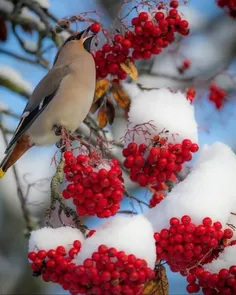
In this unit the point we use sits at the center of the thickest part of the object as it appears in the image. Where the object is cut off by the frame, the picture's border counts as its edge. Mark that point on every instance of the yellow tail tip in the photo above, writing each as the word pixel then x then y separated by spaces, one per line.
pixel 2 173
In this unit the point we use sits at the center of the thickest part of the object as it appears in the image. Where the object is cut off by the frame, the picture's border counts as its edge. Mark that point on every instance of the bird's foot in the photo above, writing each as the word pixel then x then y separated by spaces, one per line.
pixel 65 141
pixel 57 130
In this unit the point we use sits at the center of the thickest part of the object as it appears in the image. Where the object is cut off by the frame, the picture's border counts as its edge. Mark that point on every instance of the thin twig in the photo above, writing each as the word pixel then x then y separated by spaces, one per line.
pixel 136 199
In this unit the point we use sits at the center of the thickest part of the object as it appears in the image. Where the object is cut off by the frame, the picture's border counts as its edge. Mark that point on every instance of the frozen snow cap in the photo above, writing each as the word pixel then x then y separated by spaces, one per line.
pixel 167 111
pixel 208 191
pixel 226 259
pixel 133 235
pixel 47 238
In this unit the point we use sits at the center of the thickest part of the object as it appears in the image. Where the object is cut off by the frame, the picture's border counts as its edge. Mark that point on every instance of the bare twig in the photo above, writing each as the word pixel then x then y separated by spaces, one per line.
pixel 136 199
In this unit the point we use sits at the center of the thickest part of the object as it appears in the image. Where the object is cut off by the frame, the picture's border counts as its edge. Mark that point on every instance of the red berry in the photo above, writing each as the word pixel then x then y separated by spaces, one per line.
pixel 60 250
pixel 228 233
pixel 95 28
pixel 118 38
pixel 159 16
pixel 223 274
pixel 174 4
pixel 135 21
pixel 194 148
pixel 143 16
pixel 32 256
pixel 42 254
pixel 185 219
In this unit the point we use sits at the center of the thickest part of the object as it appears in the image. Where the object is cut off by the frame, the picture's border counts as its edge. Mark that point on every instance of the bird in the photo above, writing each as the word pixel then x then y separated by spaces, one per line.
pixel 60 101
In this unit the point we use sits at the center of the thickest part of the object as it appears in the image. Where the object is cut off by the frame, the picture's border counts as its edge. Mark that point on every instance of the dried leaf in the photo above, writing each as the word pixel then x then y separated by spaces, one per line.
pixel 102 117
pixel 96 105
pixel 102 87
pixel 159 285
pixel 120 96
pixel 110 110
pixel 130 69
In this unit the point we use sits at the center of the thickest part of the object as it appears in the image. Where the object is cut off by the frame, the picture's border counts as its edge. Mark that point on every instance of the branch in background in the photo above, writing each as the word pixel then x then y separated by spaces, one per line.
pixel 30 225
pixel 22 58
pixel 15 87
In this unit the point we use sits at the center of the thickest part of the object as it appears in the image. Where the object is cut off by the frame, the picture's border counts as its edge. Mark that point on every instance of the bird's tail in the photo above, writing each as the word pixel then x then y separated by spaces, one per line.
pixel 12 155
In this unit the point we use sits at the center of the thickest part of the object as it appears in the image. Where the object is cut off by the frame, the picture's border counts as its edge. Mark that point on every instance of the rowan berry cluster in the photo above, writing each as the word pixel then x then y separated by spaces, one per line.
pixel 94 190
pixel 148 35
pixel 217 95
pixel 154 165
pixel 229 5
pixel 221 283
pixel 53 264
pixel 107 272
pixel 184 244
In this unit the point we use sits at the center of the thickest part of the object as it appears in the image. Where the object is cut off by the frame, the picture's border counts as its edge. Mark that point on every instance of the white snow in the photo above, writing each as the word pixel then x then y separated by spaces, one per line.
pixel 30 45
pixel 208 191
pixel 196 19
pixel 64 35
pixel 43 3
pixel 167 111
pixel 3 107
pixel 133 235
pixel 226 259
pixel 6 6
pixel 47 238
pixel 11 74
pixel 27 14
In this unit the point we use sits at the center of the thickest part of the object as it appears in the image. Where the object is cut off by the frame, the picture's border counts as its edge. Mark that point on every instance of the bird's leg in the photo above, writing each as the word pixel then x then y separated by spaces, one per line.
pixel 65 141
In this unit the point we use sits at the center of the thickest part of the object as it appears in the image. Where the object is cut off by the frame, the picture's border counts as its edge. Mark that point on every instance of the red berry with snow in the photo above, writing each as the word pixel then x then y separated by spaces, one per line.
pixel 184 244
pixel 155 165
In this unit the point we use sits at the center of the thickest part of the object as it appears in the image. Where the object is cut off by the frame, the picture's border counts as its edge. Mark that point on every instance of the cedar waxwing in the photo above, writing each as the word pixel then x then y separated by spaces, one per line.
pixel 62 99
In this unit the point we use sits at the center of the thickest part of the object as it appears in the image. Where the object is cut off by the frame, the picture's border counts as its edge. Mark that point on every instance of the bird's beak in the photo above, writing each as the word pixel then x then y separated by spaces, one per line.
pixel 87 34
pixel 87 37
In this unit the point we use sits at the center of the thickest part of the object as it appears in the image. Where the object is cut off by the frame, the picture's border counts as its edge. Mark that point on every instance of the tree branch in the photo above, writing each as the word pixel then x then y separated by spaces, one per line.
pixel 22 58
pixel 15 87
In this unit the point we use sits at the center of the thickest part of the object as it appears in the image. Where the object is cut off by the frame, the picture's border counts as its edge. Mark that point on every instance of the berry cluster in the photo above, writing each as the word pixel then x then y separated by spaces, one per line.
pixel 157 164
pixel 150 33
pixel 157 197
pixel 94 190
pixel 217 95
pixel 221 283
pixel 107 272
pixel 230 6
pixel 184 244
pixel 53 264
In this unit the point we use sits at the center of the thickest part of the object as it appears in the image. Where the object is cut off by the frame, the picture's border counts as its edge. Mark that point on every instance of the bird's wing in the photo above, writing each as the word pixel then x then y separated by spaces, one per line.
pixel 40 98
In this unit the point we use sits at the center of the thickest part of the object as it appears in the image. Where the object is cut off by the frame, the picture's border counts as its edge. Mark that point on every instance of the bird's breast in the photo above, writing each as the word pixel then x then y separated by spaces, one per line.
pixel 68 108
